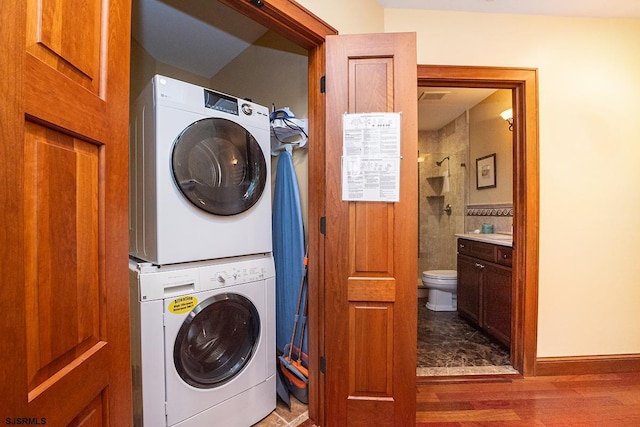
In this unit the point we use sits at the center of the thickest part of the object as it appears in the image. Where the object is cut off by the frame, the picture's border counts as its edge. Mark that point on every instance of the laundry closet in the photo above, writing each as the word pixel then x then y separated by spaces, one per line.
pixel 180 51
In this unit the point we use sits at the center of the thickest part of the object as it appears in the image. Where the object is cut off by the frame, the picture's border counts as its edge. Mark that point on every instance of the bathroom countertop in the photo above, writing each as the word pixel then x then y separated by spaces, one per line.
pixel 493 238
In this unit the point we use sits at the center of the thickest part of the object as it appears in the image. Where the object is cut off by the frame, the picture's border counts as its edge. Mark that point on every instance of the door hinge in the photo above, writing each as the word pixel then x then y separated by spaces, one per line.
pixel 323 365
pixel 323 225
pixel 323 84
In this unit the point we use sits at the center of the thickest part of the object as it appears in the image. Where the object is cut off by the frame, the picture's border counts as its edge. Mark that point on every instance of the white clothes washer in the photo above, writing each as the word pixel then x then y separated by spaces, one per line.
pixel 203 342
pixel 200 175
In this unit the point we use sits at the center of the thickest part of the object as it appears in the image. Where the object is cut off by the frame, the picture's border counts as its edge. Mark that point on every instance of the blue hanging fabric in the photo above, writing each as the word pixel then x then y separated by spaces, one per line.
pixel 288 248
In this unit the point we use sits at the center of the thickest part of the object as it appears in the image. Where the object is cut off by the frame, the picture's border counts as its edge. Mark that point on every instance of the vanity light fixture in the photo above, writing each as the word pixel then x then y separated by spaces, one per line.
pixel 507 115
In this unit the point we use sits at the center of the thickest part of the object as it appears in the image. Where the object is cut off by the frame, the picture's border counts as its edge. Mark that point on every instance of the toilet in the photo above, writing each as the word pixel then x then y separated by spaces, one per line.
pixel 442 286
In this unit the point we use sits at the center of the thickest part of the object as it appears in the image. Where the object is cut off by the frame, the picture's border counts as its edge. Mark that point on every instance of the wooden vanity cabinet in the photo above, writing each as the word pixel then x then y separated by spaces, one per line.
pixel 496 302
pixel 469 279
pixel 484 287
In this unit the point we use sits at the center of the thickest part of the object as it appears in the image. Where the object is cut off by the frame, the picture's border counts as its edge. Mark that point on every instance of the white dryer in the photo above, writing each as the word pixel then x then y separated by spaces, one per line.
pixel 203 342
pixel 200 175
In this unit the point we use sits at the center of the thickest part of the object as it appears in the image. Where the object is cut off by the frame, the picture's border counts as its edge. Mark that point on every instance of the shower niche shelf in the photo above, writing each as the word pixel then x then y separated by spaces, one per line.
pixel 435 184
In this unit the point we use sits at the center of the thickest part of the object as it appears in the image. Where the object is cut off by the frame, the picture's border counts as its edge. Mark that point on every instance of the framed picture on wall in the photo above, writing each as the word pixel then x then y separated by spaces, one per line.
pixel 486 172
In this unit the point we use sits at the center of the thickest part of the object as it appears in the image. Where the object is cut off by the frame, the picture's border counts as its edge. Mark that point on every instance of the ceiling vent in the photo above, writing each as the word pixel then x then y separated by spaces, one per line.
pixel 429 95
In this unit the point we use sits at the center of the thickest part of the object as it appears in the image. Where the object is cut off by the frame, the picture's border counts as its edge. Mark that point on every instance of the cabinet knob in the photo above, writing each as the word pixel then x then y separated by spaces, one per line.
pixel 480 266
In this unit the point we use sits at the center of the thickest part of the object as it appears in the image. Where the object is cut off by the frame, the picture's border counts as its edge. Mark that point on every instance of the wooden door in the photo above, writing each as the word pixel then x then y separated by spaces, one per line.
pixel 64 121
pixel 371 247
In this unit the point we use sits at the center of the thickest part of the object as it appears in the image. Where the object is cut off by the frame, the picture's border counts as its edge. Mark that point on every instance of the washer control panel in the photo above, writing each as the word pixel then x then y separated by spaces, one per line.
pixel 235 273
pixel 234 276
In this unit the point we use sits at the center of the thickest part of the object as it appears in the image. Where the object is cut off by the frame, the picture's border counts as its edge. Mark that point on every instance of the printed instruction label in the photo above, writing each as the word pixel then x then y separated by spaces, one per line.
pixel 371 157
pixel 183 304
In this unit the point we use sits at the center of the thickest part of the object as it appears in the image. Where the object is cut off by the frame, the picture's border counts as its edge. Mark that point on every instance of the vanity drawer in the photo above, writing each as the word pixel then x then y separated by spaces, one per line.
pixel 504 255
pixel 484 251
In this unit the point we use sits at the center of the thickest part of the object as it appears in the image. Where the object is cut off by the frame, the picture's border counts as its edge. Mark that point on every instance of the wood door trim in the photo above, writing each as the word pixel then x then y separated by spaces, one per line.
pixel 524 85
pixel 287 18
pixel 297 24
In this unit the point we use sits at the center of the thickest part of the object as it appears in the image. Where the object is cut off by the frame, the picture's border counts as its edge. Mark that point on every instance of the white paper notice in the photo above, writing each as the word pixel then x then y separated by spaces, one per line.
pixel 371 157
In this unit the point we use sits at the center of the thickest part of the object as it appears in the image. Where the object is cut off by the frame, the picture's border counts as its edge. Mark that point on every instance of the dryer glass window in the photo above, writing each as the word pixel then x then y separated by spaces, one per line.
pixel 219 166
pixel 217 339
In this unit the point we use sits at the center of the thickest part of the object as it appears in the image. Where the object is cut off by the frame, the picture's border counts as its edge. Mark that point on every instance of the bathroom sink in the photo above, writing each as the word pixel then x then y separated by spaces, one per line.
pixel 495 238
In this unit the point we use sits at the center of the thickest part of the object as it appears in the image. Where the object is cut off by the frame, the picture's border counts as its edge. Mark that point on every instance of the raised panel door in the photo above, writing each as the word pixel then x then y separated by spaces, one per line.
pixel 64 145
pixel 370 247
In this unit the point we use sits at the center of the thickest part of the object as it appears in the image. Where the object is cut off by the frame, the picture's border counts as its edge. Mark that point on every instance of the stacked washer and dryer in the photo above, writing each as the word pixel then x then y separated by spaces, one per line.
pixel 202 275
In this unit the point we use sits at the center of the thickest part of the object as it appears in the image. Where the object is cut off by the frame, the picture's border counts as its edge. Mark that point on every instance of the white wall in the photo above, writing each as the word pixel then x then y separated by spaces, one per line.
pixel 144 67
pixel 490 134
pixel 348 17
pixel 589 86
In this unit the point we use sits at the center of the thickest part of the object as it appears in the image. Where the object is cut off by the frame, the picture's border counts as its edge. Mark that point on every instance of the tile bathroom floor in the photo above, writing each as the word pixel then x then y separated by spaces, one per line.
pixel 448 345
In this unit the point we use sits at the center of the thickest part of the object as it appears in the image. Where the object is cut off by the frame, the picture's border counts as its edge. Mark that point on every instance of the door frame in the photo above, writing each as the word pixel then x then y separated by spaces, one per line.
pixel 294 22
pixel 523 82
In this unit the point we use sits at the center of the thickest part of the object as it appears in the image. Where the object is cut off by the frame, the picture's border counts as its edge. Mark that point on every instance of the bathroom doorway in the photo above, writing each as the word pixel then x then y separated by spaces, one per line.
pixel 456 126
pixel 522 85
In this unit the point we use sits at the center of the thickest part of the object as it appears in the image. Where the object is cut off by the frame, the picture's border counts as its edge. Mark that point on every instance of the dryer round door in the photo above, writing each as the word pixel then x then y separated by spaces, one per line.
pixel 219 166
pixel 216 340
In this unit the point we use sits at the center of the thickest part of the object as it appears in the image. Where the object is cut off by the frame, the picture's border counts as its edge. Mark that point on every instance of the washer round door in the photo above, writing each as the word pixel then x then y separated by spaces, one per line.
pixel 219 166
pixel 217 340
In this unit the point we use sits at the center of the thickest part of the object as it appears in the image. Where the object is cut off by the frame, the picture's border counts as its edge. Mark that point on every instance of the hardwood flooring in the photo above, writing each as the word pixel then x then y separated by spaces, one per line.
pixel 607 400
pixel 576 400
pixel 604 400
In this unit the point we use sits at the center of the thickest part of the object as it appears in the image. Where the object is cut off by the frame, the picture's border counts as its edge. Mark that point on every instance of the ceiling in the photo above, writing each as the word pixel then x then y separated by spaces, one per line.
pixel 439 106
pixel 576 8
pixel 202 36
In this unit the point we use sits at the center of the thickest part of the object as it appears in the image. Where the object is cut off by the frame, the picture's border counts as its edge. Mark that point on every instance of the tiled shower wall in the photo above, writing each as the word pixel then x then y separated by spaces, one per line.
pixel 437 229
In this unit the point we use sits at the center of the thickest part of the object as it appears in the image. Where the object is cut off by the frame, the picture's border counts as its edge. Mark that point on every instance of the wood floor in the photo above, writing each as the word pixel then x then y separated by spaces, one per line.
pixel 576 400
pixel 608 400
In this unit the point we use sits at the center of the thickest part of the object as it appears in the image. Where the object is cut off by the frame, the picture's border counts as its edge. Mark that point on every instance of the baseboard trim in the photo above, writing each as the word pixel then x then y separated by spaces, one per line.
pixel 577 365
